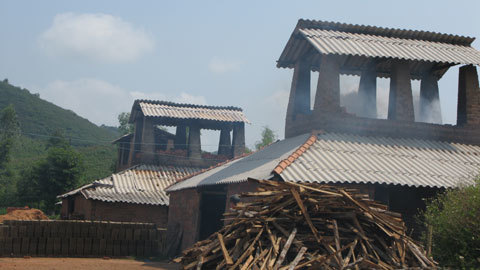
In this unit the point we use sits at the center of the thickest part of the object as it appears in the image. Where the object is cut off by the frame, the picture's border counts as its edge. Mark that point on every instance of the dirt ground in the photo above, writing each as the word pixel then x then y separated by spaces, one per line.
pixel 82 263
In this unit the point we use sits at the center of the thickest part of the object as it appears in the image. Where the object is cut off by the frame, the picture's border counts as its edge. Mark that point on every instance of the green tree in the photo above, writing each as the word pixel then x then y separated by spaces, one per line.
pixel 60 171
pixel 268 137
pixel 125 127
pixel 9 132
pixel 454 219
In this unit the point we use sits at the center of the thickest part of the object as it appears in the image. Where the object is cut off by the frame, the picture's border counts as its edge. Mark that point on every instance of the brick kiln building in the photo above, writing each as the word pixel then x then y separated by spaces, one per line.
pixel 398 160
pixel 150 159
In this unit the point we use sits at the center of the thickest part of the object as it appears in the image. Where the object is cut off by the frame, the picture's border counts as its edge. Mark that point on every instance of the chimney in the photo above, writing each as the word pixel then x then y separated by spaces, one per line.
pixel 468 108
pixel 400 104
pixel 327 98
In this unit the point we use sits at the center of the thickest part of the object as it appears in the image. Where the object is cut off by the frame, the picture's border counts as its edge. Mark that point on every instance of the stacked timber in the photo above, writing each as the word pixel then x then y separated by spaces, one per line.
pixel 299 226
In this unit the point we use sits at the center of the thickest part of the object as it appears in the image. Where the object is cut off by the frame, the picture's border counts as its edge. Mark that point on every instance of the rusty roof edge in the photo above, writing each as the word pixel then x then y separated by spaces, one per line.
pixel 385 31
pixel 282 165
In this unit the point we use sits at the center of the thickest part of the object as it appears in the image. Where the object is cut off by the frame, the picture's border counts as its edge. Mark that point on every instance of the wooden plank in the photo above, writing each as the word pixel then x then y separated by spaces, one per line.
pixel 285 249
pixel 305 214
pixel 227 257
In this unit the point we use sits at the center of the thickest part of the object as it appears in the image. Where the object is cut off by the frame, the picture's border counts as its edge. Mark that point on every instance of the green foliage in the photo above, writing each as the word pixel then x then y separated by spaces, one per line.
pixel 43 126
pixel 454 217
pixel 268 137
pixel 60 171
pixel 8 135
pixel 125 127
pixel 39 118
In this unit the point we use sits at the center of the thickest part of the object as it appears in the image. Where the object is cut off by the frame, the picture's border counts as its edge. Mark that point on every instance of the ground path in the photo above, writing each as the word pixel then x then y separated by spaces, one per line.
pixel 82 263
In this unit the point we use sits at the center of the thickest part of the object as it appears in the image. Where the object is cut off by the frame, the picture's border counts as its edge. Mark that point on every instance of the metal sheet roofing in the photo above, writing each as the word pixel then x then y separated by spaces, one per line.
pixel 342 43
pixel 141 184
pixel 257 165
pixel 189 111
pixel 356 45
pixel 342 158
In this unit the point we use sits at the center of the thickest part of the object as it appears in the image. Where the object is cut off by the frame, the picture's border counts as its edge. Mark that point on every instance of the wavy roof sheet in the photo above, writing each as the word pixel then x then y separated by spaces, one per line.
pixel 343 158
pixel 342 43
pixel 191 111
pixel 141 184
pixel 356 45
pixel 257 165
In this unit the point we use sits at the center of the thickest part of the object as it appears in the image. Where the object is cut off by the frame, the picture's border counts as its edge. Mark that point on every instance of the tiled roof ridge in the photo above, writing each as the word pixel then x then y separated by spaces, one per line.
pixel 385 31
pixel 186 105
pixel 282 165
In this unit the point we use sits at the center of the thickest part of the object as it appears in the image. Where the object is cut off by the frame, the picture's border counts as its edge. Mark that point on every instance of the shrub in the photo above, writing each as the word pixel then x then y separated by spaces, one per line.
pixel 454 217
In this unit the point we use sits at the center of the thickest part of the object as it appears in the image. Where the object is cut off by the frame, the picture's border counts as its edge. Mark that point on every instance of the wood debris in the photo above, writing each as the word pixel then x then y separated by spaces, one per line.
pixel 308 226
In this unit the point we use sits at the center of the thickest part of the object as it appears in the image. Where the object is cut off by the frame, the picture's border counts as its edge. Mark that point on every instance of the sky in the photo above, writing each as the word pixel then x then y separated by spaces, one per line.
pixel 96 57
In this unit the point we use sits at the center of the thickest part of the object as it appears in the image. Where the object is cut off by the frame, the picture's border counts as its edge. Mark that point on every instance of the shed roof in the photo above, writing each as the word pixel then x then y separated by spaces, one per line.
pixel 358 44
pixel 171 110
pixel 140 184
pixel 344 158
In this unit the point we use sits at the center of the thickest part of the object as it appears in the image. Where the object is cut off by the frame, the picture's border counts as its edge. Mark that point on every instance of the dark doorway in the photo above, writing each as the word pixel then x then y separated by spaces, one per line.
pixel 211 212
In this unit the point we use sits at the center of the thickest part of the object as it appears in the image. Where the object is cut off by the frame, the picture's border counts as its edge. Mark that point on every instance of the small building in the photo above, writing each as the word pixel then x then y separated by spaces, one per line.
pixel 133 195
pixel 399 160
pixel 151 158
pixel 150 144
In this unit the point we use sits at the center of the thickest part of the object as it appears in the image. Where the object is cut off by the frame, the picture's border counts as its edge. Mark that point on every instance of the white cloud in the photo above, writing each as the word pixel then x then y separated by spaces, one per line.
pixel 218 65
pixel 187 98
pixel 100 101
pixel 96 36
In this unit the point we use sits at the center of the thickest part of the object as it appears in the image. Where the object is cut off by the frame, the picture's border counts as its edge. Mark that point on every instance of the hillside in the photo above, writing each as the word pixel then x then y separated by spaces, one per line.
pixel 39 119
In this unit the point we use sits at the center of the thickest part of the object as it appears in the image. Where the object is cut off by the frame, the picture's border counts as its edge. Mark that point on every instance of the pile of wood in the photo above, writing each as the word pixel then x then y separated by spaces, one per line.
pixel 296 226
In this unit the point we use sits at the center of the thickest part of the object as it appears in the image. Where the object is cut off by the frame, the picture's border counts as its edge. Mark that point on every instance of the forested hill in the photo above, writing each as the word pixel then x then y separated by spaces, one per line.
pixel 39 118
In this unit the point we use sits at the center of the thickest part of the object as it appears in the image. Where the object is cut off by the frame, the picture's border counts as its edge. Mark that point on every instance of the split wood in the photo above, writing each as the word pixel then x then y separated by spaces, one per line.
pixel 298 226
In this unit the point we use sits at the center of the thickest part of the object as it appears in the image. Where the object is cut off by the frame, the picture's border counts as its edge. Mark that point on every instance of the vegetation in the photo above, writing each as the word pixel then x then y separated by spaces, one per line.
pixel 268 137
pixel 8 133
pixel 32 139
pixel 60 171
pixel 125 127
pixel 454 219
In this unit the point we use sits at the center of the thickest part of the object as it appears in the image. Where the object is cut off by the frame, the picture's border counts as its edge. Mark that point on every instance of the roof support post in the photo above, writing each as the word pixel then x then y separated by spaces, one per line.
pixel 181 137
pixel 430 110
pixel 468 108
pixel 194 144
pixel 400 105
pixel 136 146
pixel 299 101
pixel 225 143
pixel 367 91
pixel 238 142
pixel 327 98
pixel 148 141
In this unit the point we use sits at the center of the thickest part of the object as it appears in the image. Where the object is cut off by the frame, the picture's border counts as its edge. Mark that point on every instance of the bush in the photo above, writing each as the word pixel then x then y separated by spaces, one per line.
pixel 454 217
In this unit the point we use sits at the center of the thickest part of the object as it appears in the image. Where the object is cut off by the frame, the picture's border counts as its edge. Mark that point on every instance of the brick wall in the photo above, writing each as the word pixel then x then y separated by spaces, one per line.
pixel 80 239
pixel 183 217
pixel 121 212
pixel 345 123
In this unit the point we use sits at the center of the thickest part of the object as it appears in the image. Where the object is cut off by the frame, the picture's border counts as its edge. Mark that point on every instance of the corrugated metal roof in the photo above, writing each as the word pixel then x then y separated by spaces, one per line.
pixel 342 158
pixel 141 184
pixel 190 111
pixel 342 43
pixel 356 45
pixel 257 165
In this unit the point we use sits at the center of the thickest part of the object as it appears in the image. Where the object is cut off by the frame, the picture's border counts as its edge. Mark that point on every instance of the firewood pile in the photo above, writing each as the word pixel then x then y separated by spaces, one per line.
pixel 297 226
